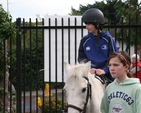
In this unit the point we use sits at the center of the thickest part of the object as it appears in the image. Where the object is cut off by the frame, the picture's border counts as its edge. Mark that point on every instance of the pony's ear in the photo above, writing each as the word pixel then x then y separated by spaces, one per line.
pixel 88 66
pixel 67 66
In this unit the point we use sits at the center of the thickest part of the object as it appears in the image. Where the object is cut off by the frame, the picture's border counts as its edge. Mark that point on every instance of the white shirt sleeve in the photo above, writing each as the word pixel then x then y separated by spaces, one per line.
pixel 133 70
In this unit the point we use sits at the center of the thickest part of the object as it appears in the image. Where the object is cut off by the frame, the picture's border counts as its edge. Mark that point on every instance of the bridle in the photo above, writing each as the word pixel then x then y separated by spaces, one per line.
pixel 87 98
pixel 103 79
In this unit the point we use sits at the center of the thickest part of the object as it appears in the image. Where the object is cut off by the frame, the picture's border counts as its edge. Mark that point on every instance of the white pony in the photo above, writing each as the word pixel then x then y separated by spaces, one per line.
pixel 83 91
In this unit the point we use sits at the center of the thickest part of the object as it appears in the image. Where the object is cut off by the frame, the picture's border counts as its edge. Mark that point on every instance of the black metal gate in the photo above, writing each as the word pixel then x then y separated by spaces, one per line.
pixel 26 61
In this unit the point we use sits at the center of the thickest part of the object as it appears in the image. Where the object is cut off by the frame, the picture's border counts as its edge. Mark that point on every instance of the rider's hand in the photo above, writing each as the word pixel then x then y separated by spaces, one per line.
pixel 100 72
pixel 92 70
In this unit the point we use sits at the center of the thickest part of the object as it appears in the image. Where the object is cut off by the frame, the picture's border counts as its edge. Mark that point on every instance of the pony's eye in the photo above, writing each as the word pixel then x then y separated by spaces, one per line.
pixel 83 90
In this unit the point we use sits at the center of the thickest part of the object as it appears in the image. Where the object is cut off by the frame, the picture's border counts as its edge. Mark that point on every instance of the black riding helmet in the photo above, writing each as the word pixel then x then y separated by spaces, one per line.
pixel 93 16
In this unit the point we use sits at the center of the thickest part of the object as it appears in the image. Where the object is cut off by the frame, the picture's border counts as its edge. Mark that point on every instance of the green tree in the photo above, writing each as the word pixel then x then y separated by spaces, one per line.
pixel 108 8
pixel 118 12
pixel 129 13
pixel 7 29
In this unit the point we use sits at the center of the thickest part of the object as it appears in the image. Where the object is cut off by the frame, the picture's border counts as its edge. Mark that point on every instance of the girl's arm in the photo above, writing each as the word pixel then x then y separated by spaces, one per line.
pixel 104 107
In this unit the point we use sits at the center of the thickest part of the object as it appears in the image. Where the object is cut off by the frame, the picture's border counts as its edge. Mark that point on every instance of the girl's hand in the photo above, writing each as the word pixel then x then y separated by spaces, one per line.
pixel 100 72
pixel 92 70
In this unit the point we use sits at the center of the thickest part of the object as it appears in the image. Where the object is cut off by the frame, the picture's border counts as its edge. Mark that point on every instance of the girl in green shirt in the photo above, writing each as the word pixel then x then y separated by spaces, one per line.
pixel 123 95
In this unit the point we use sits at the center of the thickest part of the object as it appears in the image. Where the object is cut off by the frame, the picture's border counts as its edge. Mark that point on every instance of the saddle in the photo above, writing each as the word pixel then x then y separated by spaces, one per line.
pixel 103 79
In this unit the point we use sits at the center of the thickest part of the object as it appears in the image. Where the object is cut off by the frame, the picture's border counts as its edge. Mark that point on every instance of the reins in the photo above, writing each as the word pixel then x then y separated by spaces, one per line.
pixel 103 79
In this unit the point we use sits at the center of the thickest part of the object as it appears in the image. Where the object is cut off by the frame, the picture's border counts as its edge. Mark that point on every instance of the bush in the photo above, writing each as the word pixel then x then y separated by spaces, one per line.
pixel 54 106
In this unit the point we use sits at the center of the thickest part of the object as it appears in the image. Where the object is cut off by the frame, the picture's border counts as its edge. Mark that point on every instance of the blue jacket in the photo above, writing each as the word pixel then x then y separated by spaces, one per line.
pixel 97 50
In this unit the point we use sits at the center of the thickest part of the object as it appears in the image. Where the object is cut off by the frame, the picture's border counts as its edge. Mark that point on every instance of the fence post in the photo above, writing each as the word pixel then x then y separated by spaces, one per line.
pixel 18 65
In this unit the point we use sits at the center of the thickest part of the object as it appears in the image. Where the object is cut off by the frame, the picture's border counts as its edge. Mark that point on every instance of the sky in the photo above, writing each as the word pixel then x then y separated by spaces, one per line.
pixel 30 8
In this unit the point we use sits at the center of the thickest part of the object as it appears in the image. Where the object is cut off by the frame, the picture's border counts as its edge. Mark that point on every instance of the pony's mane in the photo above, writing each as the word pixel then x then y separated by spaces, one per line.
pixel 76 72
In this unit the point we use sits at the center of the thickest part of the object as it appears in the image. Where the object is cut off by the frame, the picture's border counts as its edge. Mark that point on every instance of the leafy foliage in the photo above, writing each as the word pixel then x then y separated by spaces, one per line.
pixel 55 106
pixel 31 77
pixel 32 59
pixel 7 28
pixel 130 14
pixel 120 13
pixel 108 8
